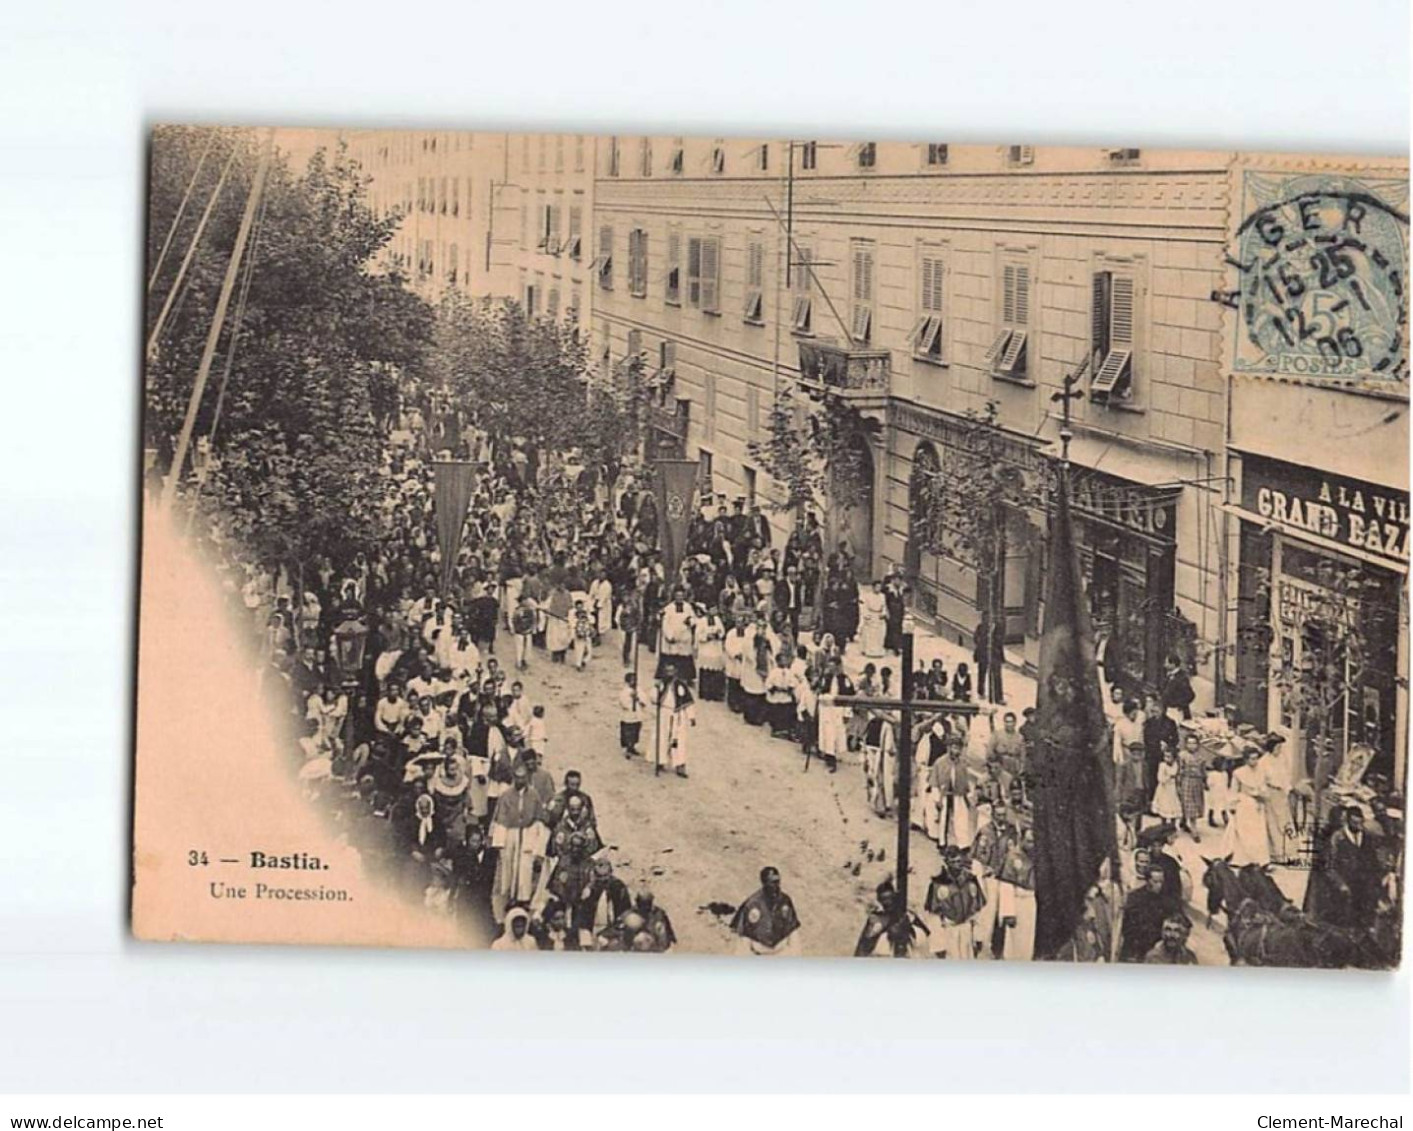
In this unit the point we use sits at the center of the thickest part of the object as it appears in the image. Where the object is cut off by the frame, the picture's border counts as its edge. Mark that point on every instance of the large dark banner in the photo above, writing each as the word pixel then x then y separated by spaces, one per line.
pixel 676 489
pixel 453 484
pixel 1072 764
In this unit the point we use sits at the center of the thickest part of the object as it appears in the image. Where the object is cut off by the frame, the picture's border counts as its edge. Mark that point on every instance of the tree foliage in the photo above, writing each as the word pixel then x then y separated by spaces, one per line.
pixel 321 340
pixel 530 379
pixel 964 505
pixel 816 449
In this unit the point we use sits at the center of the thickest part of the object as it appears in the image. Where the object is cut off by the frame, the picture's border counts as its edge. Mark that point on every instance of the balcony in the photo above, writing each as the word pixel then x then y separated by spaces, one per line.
pixel 859 371
pixel 667 428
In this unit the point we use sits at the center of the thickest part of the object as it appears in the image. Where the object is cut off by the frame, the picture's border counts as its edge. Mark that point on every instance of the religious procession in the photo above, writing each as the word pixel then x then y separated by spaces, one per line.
pixel 554 686
pixel 447 762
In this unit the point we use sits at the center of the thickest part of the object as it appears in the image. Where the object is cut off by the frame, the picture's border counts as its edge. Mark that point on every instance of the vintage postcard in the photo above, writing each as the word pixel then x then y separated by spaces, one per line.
pixel 774 547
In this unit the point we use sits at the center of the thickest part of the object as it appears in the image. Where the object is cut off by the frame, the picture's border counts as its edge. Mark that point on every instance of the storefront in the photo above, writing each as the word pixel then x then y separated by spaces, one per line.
pixel 1321 612
pixel 1127 535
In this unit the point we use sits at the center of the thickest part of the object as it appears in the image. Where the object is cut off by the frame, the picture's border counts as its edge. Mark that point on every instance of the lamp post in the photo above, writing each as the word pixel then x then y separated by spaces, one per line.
pixel 350 642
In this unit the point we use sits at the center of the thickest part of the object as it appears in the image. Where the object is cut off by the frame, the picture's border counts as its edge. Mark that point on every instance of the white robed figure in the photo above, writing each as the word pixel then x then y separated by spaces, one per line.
pixel 674 715
pixel 873 624
pixel 880 764
pixel 834 719
pixel 519 833
pixel 949 783
pixel 1016 899
pixel 601 605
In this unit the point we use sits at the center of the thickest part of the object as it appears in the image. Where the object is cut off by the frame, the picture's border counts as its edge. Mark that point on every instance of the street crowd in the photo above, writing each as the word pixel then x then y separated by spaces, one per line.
pixel 418 736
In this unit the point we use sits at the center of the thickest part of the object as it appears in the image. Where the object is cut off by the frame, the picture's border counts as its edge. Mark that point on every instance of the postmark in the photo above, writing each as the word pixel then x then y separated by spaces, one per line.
pixel 1320 266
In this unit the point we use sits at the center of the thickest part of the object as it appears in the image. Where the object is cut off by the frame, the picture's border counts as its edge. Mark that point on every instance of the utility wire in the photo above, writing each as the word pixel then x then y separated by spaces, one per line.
pixel 238 320
pixel 156 335
pixel 181 211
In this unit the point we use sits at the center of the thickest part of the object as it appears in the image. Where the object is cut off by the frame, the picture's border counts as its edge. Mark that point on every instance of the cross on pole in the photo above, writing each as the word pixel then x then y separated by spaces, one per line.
pixel 906 705
pixel 1065 396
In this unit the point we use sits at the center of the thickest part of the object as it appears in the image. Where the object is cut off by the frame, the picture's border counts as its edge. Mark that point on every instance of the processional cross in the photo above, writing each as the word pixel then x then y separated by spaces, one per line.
pixel 906 705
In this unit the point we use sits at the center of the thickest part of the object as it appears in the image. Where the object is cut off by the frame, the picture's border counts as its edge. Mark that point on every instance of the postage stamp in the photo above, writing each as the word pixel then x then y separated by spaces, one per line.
pixel 1321 264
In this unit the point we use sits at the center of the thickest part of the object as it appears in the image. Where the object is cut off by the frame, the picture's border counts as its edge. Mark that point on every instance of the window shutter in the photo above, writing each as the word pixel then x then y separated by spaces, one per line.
pixel 800 273
pixel 863 274
pixel 1022 295
pixel 932 285
pixel 1121 313
pixel 710 267
pixel 674 266
pixel 1099 328
pixel 1008 294
pixel 694 272
pixel 755 264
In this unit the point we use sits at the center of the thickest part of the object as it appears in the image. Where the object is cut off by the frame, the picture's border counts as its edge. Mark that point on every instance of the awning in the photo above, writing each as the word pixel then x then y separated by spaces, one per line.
pixel 1148 467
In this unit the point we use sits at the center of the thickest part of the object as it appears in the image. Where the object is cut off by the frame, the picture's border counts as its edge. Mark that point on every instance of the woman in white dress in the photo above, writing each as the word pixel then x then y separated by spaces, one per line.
pixel 1247 838
pixel 601 603
pixel 873 620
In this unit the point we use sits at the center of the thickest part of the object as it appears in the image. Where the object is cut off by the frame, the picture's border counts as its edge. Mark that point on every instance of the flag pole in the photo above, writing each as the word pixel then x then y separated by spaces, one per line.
pixel 903 792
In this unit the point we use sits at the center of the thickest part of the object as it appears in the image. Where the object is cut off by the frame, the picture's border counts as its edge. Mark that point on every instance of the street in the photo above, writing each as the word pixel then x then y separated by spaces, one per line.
pixel 748 802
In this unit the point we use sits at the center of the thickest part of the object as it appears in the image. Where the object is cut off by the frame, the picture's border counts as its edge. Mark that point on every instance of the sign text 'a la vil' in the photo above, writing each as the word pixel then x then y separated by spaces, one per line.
pixel 1360 515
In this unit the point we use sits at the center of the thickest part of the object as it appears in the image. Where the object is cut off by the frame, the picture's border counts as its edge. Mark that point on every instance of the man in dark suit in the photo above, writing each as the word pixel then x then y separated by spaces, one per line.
pixel 1158 728
pixel 1353 865
pixel 760 525
pixel 787 599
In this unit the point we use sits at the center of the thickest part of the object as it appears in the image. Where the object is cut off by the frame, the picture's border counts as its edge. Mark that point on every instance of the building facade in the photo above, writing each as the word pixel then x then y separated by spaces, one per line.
pixel 931 279
pixel 500 215
pixel 436 180
pixel 543 208
pixel 1315 350
pixel 1211 308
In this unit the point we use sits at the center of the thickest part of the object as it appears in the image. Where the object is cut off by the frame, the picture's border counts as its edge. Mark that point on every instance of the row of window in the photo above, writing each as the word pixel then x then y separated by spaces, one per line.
pixel 401 148
pixel 755 157
pixel 693 279
pixel 550 236
pixel 543 144
pixel 542 300
pixel 439 195
pixel 662 377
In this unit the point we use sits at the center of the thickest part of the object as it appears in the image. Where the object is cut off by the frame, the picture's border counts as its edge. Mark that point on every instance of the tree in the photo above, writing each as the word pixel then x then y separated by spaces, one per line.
pixel 530 378
pixel 314 347
pixel 966 503
pixel 1320 661
pixel 816 451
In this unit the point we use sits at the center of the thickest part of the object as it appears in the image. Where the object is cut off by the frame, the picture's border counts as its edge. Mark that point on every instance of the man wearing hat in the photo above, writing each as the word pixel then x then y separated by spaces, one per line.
pixel 760 525
pixel 1150 856
pixel 956 898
